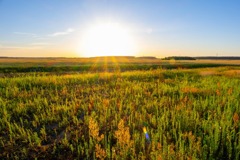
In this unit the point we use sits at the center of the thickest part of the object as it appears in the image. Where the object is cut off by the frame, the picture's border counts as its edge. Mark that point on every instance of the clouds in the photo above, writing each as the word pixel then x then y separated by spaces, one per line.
pixel 66 32
pixel 55 34
pixel 25 34
pixel 149 30
pixel 34 40
pixel 27 46
pixel 40 44
pixel 9 47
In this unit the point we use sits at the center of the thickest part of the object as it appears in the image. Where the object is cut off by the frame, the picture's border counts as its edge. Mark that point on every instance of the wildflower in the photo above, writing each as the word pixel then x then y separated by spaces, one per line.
pixel 100 153
pixel 94 130
pixel 123 135
pixel 230 91
pixel 106 102
pixel 235 119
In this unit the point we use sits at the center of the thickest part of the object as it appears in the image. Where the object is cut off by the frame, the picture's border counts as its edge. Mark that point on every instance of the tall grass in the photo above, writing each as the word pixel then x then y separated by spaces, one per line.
pixel 102 115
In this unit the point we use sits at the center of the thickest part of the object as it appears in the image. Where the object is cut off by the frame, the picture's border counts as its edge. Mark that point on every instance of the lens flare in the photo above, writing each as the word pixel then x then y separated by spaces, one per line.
pixel 146 134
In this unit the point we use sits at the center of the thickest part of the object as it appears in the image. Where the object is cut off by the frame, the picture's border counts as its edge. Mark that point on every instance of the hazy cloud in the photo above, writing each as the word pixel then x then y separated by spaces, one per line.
pixel 68 31
pixel 28 46
pixel 40 44
pixel 149 30
pixel 11 47
pixel 25 34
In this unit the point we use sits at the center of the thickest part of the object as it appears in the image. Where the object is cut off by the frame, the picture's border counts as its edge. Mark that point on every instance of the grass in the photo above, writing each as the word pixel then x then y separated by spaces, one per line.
pixel 10 66
pixel 187 114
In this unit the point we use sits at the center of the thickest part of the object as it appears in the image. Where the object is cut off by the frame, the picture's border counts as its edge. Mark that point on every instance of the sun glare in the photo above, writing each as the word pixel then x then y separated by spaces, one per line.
pixel 107 39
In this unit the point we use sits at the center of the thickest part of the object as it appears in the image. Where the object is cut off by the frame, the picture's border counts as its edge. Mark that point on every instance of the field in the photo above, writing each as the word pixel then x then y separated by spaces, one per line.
pixel 119 109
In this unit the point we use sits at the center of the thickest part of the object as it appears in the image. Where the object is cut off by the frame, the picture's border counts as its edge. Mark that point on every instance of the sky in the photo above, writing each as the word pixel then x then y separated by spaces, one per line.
pixel 55 28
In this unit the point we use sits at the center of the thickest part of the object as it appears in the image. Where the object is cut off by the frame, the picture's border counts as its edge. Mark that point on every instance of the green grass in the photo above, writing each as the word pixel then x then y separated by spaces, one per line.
pixel 93 68
pixel 110 64
pixel 101 115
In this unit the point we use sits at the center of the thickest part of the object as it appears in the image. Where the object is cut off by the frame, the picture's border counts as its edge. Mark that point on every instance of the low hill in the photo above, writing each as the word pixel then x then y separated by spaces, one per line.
pixel 178 58
pixel 147 57
pixel 102 57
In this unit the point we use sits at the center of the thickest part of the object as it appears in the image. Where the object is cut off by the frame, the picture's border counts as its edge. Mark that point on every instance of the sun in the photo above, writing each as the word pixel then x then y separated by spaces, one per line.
pixel 107 39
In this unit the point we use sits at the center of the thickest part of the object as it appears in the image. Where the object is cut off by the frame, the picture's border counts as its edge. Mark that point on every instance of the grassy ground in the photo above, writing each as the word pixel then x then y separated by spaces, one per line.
pixel 140 114
pixel 109 64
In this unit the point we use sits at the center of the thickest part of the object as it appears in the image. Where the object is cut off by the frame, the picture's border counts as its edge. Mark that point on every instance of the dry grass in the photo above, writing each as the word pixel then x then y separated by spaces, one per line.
pixel 235 62
pixel 234 71
pixel 78 60
pixel 52 61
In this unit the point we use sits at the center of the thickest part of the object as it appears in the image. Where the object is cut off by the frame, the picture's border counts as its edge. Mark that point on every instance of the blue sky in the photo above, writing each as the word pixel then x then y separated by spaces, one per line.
pixel 160 27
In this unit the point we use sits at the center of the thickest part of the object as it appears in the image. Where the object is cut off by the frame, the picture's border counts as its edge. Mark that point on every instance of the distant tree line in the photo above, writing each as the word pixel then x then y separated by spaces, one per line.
pixel 218 58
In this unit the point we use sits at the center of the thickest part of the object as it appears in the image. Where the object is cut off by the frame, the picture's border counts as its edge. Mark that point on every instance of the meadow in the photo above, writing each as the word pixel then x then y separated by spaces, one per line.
pixel 137 109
